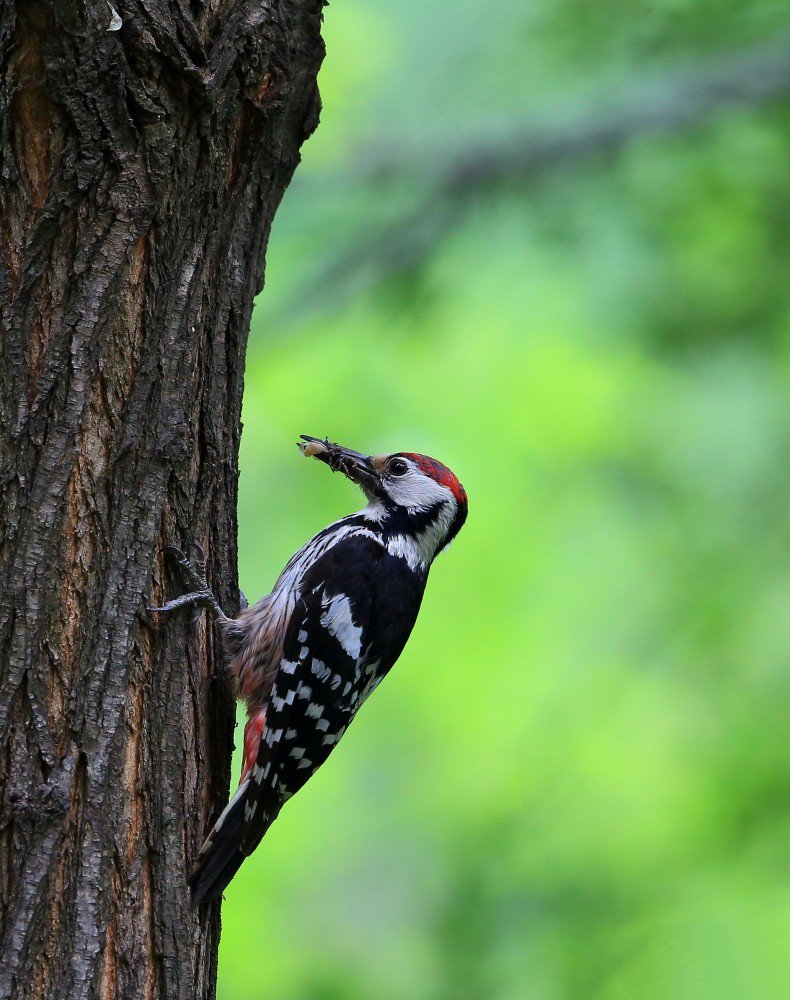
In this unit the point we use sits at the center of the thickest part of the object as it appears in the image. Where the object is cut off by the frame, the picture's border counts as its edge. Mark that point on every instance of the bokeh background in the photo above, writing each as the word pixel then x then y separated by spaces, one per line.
pixel 545 241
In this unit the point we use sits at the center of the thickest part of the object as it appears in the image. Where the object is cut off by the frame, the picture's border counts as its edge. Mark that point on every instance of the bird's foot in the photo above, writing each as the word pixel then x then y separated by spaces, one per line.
pixel 192 570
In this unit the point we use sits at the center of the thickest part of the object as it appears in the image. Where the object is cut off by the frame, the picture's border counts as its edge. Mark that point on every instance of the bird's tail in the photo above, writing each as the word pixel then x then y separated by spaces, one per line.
pixel 220 857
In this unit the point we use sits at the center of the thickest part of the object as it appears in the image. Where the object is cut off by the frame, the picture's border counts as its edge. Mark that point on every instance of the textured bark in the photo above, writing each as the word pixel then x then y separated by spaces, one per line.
pixel 141 169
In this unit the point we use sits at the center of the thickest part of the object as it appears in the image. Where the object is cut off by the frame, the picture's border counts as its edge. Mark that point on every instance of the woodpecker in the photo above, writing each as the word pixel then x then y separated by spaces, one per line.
pixel 307 655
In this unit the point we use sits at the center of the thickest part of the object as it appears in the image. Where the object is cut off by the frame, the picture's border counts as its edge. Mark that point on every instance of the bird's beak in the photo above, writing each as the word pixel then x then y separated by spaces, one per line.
pixel 354 465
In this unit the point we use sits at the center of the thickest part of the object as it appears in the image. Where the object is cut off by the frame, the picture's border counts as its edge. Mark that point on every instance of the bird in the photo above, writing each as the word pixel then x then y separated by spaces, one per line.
pixel 306 656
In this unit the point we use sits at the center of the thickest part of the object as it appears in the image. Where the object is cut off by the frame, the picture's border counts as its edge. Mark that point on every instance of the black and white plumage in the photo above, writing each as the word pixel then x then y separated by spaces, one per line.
pixel 306 656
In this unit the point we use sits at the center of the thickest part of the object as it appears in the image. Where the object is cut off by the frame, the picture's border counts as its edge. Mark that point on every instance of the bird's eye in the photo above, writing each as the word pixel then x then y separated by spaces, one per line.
pixel 398 467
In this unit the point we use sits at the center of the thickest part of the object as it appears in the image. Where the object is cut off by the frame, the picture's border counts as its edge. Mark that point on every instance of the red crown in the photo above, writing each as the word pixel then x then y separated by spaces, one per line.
pixel 441 474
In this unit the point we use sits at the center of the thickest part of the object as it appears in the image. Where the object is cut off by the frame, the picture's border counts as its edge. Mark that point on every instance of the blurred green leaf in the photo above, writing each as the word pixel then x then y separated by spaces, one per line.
pixel 576 782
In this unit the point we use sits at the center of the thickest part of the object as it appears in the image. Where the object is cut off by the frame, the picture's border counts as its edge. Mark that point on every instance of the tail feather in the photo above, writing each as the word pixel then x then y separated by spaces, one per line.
pixel 220 857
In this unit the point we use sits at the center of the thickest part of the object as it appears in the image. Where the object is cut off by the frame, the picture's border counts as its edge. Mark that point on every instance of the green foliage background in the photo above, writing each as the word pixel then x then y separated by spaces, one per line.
pixel 576 782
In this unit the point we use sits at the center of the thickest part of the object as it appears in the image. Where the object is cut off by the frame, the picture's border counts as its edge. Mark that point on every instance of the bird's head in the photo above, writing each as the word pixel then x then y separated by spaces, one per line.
pixel 410 494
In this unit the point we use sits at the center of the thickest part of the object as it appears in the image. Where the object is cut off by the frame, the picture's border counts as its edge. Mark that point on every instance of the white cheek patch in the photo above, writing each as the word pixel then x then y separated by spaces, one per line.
pixel 416 491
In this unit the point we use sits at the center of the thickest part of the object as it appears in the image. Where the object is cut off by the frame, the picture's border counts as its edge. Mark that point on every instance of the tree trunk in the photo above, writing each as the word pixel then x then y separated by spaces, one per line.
pixel 142 164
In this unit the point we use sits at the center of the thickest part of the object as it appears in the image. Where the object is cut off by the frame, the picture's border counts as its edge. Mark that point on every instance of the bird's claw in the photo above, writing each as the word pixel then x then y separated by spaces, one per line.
pixel 192 570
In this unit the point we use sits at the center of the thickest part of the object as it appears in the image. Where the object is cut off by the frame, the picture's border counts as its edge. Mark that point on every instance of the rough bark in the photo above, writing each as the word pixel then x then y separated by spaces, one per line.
pixel 141 169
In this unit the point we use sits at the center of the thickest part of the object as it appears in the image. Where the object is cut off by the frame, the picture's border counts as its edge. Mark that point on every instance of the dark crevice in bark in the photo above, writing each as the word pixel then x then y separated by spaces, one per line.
pixel 141 170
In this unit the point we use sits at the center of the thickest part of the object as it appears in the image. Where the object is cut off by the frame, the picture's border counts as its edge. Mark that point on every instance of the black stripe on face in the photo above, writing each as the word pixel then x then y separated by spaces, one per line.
pixel 401 521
